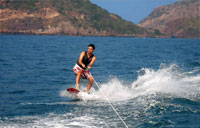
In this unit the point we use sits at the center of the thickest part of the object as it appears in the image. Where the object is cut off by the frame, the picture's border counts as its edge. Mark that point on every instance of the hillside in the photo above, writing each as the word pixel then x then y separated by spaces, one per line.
pixel 65 17
pixel 180 19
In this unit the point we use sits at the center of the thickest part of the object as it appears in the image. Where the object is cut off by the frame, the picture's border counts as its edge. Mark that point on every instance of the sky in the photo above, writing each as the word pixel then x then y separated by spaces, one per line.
pixel 131 10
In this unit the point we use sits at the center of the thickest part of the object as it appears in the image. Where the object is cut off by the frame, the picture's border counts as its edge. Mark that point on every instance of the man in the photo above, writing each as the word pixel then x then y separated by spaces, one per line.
pixel 85 61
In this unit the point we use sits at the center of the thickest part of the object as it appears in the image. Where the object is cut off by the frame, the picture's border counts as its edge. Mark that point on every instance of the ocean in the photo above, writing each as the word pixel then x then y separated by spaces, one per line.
pixel 151 83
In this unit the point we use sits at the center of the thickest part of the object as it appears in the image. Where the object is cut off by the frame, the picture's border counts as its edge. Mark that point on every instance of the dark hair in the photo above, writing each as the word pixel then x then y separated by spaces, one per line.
pixel 91 45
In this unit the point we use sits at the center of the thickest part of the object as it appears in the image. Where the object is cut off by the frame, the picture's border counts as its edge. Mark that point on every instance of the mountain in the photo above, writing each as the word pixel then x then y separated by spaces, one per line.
pixel 65 17
pixel 180 19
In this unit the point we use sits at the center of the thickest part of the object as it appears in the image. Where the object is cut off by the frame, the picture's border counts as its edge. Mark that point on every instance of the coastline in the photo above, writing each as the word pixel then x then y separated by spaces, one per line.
pixel 111 35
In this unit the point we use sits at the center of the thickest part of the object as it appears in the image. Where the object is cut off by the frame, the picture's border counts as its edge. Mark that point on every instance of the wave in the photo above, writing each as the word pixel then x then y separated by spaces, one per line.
pixel 168 80
pixel 53 120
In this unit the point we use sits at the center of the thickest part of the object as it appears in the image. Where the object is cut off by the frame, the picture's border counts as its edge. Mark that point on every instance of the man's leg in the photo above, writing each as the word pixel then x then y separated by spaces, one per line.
pixel 91 80
pixel 78 75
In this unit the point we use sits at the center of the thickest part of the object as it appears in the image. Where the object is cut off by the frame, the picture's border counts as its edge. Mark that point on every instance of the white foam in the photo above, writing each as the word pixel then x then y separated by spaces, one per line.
pixel 167 80
pixel 54 121
pixel 113 90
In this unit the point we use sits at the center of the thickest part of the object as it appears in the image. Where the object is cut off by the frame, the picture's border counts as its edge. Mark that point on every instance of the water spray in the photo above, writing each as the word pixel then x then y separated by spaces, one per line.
pixel 111 105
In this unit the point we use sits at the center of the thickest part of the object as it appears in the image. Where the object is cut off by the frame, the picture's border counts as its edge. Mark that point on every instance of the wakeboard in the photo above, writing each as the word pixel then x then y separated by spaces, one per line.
pixel 73 91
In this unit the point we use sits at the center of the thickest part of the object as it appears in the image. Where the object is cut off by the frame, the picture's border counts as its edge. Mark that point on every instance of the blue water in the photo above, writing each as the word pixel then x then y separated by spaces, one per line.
pixel 150 82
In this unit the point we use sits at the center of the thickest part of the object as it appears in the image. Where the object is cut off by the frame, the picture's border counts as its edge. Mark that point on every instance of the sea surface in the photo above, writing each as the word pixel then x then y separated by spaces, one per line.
pixel 151 83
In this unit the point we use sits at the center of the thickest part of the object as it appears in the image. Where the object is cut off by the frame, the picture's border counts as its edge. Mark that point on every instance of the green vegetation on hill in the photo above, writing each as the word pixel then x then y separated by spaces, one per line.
pixel 85 18
pixel 21 5
pixel 180 19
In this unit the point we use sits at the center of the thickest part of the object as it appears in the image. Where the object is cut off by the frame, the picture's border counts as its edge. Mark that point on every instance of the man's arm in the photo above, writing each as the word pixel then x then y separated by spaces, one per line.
pixel 92 62
pixel 81 58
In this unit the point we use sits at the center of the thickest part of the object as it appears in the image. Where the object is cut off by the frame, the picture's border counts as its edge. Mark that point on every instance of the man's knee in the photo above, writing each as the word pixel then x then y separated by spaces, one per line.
pixel 90 78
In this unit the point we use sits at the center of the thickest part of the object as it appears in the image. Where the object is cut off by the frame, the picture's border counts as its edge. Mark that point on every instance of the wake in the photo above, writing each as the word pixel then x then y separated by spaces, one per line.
pixel 167 80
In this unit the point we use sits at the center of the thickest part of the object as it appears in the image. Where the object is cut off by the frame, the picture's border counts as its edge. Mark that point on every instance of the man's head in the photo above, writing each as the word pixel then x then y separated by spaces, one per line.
pixel 91 48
